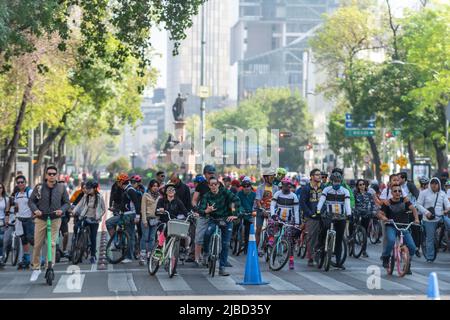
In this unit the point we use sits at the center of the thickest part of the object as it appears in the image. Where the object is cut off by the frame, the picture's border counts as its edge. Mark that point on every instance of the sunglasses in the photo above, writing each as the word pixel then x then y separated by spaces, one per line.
pixel 20 182
pixel 361 184
pixel 396 191
pixel 213 184
pixel 51 174
pixel 162 176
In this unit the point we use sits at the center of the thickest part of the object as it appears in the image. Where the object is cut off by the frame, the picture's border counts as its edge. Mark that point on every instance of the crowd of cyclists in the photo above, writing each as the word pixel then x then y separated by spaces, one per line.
pixel 311 205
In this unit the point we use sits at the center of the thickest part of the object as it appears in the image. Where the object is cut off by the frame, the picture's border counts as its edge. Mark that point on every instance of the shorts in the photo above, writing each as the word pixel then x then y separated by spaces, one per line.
pixel 64 225
pixel 200 230
pixel 28 231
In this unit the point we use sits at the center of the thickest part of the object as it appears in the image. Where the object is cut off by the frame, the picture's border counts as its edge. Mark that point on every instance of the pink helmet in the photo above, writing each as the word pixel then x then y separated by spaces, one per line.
pixel 286 180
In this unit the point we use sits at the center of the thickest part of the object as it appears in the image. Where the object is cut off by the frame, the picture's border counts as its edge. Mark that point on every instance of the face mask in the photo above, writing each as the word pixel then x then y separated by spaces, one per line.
pixel 336 186
pixel 286 190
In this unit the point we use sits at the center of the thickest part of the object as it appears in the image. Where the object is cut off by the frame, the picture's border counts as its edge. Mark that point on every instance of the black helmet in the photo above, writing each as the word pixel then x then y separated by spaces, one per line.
pixel 338 170
pixel 91 184
pixel 423 180
pixel 209 169
pixel 335 177
pixel 324 174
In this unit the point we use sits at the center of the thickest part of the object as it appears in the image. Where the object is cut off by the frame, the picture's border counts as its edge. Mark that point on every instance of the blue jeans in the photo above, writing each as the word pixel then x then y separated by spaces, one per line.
pixel 112 222
pixel 226 237
pixel 151 236
pixel 430 232
pixel 144 244
pixel 391 234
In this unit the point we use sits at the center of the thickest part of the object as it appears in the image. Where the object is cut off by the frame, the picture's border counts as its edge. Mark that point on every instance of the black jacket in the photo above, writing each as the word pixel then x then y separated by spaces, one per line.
pixel 175 207
pixel 184 194
pixel 115 198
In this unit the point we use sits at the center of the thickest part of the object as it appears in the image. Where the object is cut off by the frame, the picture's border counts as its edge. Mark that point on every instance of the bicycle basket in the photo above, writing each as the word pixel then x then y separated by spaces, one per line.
pixel 178 228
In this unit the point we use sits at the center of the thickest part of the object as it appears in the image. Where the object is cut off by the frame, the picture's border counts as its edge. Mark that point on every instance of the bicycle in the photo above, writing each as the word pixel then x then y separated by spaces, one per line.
pixel 238 240
pixel 358 239
pixel 374 230
pixel 82 242
pixel 169 253
pixel 215 246
pixel 327 251
pixel 13 245
pixel 301 243
pixel 265 243
pixel 400 253
pixel 281 248
pixel 439 239
pixel 117 246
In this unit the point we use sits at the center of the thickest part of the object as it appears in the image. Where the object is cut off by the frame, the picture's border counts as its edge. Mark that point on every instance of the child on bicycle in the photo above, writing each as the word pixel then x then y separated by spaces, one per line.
pixel 285 206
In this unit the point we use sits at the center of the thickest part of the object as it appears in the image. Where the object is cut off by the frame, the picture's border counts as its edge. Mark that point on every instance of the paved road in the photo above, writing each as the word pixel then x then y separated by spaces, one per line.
pixel 132 280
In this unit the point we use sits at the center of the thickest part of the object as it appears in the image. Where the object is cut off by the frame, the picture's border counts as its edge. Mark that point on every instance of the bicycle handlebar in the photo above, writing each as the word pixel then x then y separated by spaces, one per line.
pixel 287 224
pixel 396 224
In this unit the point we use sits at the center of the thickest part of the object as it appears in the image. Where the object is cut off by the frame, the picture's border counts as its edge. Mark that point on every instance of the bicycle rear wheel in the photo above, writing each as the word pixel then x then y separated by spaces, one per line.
pixel 391 265
pixel 403 261
pixel 328 253
pixel 359 241
pixel 154 261
pixel 343 254
pixel 374 231
pixel 279 255
pixel 78 249
pixel 117 247
pixel 173 257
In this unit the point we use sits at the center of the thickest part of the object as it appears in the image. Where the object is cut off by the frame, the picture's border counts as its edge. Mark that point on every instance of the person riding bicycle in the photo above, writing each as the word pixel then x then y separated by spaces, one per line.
pixel 136 183
pixel 345 185
pixel 396 209
pixel 364 208
pixel 264 195
pixel 434 205
pixel 91 206
pixel 309 199
pixel 50 197
pixel 285 206
pixel 335 202
pixel 280 174
pixel 115 199
pixel 424 182
pixel 130 207
pixel 219 204
pixel 247 198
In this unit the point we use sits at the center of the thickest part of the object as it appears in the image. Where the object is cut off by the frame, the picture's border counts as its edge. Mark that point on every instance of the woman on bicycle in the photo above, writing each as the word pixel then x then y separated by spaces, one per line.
pixel 91 206
pixel 364 208
pixel 285 206
pixel 149 218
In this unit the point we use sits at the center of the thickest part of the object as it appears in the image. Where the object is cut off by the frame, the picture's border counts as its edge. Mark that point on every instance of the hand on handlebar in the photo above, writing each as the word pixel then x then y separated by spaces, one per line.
pixel 231 218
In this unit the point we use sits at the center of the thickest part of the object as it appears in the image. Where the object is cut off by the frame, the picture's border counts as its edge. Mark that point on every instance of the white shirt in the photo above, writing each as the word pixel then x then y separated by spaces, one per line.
pixel 21 201
pixel 385 196
pixel 3 204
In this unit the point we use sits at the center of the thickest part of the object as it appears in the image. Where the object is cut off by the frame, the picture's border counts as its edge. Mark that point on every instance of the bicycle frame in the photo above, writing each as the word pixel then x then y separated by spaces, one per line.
pixel 330 232
pixel 398 240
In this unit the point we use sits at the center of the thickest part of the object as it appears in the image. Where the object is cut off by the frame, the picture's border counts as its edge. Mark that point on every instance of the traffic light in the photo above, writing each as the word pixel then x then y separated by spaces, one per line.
pixel 285 134
pixel 388 135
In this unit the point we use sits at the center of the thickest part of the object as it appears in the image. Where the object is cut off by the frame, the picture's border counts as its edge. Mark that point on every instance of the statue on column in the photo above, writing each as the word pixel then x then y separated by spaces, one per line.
pixel 178 108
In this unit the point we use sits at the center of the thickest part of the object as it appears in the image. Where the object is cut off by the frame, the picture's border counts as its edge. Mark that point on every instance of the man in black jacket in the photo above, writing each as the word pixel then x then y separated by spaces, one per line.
pixel 182 190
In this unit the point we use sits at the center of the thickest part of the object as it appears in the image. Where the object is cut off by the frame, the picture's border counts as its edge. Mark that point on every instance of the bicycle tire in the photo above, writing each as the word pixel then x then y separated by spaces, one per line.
pixel 282 248
pixel 344 252
pixel 215 252
pixel 153 262
pixel 123 240
pixel 319 257
pixel 304 246
pixel 391 265
pixel 15 251
pixel 77 255
pixel 359 241
pixel 403 261
pixel 328 253
pixel 376 232
pixel 173 257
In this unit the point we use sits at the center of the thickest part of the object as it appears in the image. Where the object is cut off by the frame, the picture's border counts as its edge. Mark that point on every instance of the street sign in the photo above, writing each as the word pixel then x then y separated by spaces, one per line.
pixel 22 150
pixel 447 112
pixel 203 92
pixel 384 167
pixel 359 133
pixel 402 161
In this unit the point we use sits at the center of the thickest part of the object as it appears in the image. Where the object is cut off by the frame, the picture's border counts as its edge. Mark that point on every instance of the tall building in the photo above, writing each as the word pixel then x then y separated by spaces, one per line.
pixel 183 70
pixel 269 41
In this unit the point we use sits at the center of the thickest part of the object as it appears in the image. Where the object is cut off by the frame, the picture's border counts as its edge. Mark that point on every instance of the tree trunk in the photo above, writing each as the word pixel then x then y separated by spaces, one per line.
pixel 376 157
pixel 441 157
pixel 11 149
pixel 43 148
pixel 411 156
pixel 61 157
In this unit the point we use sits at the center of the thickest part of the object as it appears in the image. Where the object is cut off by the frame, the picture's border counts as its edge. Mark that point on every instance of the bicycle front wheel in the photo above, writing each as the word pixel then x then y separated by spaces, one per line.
pixel 154 261
pixel 279 255
pixel 117 247
pixel 359 241
pixel 328 252
pixel 374 231
pixel 403 260
pixel 344 251
pixel 77 253
pixel 173 256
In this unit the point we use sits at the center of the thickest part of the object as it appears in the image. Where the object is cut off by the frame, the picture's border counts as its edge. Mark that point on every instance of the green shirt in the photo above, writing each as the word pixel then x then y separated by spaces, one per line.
pixel 222 202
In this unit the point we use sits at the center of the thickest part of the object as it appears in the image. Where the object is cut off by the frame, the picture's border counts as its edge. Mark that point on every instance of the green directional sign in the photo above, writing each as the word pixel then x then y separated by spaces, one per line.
pixel 359 133
pixel 396 132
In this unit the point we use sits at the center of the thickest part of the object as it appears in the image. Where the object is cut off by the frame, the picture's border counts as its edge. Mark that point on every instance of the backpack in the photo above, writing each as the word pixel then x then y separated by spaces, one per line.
pixel 27 192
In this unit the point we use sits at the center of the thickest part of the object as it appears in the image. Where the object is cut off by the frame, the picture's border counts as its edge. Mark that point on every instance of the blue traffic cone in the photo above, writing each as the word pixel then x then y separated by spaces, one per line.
pixel 252 273
pixel 433 287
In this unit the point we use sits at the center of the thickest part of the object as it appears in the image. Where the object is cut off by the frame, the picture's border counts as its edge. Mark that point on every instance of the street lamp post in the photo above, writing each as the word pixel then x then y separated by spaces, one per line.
pixel 202 83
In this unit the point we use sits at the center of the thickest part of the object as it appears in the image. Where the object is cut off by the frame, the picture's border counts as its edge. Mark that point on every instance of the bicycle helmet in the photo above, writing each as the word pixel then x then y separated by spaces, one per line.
pixel 286 180
pixel 281 172
pixel 209 169
pixel 338 170
pixel 268 172
pixel 199 178
pixel 136 178
pixel 246 179
pixel 336 177
pixel 236 183
pixel 91 184
pixel 246 183
pixel 324 174
pixel 123 177
pixel 423 180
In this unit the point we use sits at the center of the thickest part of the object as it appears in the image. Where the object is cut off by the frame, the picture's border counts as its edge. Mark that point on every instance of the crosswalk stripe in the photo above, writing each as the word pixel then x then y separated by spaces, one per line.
pixel 121 282
pixel 18 285
pixel 424 280
pixel 176 283
pixel 326 281
pixel 224 283
pixel 385 284
pixel 70 284
pixel 278 283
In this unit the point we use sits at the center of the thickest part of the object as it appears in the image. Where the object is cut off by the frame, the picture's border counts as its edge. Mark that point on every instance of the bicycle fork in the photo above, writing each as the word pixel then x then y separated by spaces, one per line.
pixel 331 231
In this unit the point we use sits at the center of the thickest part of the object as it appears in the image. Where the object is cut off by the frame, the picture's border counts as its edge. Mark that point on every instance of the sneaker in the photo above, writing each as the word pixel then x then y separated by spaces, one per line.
pixel 260 254
pixel 310 263
pixel 365 255
pixel 418 255
pixel 228 265
pixel 385 262
pixel 291 263
pixel 197 264
pixel 429 261
pixel 408 270
pixel 126 261
pixel 93 260
pixel 341 267
pixel 35 275
pixel 222 272
pixel 66 255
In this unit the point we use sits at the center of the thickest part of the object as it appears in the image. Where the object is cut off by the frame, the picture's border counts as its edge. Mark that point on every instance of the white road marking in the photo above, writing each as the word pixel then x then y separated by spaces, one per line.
pixel 325 281
pixel 385 284
pixel 223 283
pixel 121 282
pixel 176 283
pixel 278 283
pixel 66 286
pixel 20 284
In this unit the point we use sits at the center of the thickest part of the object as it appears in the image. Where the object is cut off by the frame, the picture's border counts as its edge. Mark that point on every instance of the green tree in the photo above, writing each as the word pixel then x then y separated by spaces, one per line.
pixel 120 165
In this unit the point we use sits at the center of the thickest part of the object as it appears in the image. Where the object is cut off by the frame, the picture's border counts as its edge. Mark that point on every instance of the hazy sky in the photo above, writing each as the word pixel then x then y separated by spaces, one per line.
pixel 159 40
